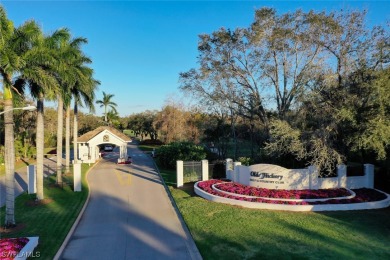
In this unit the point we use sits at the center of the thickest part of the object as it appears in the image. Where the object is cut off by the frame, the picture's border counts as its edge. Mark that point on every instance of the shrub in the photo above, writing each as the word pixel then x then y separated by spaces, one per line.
pixel 219 171
pixel 151 142
pixel 245 161
pixel 185 151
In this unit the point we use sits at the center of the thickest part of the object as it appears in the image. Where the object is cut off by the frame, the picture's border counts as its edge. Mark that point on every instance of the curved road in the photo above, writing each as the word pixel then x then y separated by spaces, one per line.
pixel 129 215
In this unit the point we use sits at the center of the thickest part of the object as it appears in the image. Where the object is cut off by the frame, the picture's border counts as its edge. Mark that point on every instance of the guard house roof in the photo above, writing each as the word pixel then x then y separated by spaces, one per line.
pixel 90 135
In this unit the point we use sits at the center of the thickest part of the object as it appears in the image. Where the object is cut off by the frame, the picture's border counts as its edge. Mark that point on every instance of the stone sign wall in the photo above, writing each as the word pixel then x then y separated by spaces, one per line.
pixel 271 176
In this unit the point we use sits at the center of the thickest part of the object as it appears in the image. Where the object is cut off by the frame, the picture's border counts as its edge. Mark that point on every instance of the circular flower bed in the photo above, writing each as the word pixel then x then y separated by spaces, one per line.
pixel 284 195
pixel 229 192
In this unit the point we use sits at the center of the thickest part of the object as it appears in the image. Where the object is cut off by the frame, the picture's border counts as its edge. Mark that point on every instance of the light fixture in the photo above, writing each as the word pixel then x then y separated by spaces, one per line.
pixel 27 108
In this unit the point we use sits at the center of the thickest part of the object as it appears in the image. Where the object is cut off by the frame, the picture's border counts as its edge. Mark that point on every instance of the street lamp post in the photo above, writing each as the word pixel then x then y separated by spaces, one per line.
pixel 27 108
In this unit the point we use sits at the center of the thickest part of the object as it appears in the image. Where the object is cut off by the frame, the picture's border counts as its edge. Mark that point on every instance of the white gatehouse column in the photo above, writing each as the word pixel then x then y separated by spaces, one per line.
pixel 123 152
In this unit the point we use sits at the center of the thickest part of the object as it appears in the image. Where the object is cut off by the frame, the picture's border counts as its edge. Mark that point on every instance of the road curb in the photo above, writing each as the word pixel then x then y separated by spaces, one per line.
pixel 77 221
pixel 191 246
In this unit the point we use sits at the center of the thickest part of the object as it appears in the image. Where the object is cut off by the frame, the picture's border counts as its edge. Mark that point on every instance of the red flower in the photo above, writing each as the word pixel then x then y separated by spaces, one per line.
pixel 247 193
pixel 10 247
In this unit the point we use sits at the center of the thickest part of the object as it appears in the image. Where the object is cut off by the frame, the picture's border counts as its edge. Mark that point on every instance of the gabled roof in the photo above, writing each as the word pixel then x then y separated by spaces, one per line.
pixel 88 136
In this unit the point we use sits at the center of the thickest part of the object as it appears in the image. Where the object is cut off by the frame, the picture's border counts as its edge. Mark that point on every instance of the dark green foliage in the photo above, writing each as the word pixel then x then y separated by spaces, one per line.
pixel 167 155
pixel 151 142
pixel 219 170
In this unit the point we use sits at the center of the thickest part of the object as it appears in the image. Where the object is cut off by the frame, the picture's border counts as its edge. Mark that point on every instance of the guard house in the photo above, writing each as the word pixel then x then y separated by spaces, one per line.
pixel 90 144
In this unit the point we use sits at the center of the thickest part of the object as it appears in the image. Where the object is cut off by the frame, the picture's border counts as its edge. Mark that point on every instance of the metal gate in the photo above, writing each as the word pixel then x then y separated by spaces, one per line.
pixel 192 171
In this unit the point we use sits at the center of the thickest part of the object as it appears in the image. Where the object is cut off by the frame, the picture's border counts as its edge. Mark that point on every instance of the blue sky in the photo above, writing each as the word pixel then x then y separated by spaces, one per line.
pixel 139 48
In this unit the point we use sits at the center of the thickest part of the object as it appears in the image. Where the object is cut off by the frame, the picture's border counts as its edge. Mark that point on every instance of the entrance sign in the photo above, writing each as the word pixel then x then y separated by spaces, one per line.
pixel 271 176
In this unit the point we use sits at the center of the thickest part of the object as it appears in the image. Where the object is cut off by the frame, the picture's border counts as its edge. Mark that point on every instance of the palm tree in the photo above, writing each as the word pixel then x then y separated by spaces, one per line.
pixel 82 93
pixel 106 102
pixel 67 139
pixel 43 85
pixel 14 44
pixel 69 53
pixel 82 90
pixel 112 117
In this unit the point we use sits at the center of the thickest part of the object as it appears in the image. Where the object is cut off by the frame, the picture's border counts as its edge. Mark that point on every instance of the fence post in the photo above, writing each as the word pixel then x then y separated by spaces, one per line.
pixel 369 175
pixel 31 179
pixel 179 174
pixel 229 169
pixel 236 172
pixel 342 176
pixel 313 177
pixel 205 170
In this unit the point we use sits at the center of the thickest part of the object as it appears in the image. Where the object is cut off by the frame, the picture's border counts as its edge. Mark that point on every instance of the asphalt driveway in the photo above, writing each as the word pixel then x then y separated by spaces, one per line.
pixel 129 215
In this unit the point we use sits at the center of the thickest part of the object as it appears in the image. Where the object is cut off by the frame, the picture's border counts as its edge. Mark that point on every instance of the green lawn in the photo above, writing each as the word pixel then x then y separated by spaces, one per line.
pixel 148 148
pixel 230 232
pixel 18 164
pixel 51 221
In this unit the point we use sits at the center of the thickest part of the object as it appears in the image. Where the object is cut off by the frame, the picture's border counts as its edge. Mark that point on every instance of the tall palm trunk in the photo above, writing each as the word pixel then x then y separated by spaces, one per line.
pixel 75 133
pixel 60 125
pixel 9 159
pixel 67 138
pixel 105 114
pixel 40 145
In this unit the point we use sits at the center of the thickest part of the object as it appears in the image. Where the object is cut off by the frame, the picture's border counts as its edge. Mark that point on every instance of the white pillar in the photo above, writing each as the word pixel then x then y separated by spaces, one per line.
pixel 369 175
pixel 313 177
pixel 179 174
pixel 205 170
pixel 31 179
pixel 236 172
pixel 77 177
pixel 125 152
pixel 229 169
pixel 342 176
pixel 120 152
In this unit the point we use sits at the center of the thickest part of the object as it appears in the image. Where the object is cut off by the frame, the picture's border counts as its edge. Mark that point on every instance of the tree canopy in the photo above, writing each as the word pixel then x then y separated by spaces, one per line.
pixel 313 82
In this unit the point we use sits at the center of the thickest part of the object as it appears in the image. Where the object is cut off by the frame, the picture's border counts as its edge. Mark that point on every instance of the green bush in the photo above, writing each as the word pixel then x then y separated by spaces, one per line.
pixel 24 149
pixel 245 161
pixel 167 155
pixel 151 142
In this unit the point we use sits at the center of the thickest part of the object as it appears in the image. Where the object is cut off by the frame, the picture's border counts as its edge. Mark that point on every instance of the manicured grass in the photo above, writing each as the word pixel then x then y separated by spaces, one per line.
pixel 169 177
pixel 19 164
pixel 51 221
pixel 230 232
pixel 148 148
pixel 23 163
pixel 129 132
